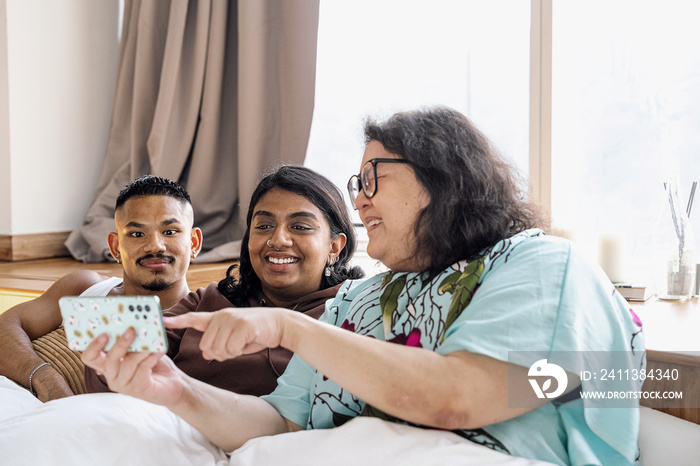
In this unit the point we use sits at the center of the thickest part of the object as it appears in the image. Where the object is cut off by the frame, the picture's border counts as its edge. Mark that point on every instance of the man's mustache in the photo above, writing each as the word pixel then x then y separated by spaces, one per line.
pixel 154 256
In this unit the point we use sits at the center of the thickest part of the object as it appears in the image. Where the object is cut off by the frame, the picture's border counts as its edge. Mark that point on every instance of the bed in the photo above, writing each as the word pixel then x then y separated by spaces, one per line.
pixel 115 429
pixel 109 428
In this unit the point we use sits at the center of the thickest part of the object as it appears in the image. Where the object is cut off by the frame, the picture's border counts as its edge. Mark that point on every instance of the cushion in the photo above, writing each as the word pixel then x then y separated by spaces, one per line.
pixel 53 348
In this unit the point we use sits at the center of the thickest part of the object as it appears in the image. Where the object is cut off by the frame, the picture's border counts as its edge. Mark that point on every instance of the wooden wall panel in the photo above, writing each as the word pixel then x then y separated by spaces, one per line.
pixel 688 384
pixel 33 246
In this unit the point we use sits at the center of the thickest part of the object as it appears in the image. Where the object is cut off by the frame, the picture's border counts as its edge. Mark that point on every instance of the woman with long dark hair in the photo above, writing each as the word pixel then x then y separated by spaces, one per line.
pixel 322 193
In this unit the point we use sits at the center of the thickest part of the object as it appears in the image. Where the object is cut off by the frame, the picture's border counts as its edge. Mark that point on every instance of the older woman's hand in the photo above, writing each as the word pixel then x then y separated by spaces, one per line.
pixel 231 332
pixel 150 376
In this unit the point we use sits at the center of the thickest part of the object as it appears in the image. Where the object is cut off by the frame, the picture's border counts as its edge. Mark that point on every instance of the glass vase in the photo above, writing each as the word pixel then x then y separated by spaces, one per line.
pixel 673 249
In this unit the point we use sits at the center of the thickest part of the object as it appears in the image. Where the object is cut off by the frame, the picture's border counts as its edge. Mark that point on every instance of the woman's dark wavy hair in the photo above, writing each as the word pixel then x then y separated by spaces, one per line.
pixel 327 198
pixel 475 199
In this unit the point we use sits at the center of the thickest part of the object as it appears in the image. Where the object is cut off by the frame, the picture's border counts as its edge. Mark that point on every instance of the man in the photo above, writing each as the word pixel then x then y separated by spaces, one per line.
pixel 154 242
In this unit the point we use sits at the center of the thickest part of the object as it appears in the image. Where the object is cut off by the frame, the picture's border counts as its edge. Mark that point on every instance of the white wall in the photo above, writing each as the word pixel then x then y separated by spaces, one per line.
pixel 4 128
pixel 58 61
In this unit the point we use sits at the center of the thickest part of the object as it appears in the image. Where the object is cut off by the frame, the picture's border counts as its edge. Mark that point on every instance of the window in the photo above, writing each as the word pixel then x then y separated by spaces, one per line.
pixel 625 84
pixel 376 57
pixel 625 94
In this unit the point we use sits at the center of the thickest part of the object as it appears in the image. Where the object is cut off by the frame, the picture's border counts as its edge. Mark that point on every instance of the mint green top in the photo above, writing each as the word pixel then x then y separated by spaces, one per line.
pixel 529 293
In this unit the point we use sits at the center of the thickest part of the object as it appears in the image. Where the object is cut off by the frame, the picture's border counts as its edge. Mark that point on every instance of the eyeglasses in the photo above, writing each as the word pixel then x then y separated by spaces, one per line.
pixel 367 179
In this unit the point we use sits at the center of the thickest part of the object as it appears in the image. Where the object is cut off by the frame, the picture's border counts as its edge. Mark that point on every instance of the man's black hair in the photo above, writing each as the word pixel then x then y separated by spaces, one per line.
pixel 150 185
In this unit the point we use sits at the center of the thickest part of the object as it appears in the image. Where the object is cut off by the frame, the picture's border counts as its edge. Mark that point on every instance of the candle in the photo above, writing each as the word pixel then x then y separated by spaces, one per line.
pixel 612 255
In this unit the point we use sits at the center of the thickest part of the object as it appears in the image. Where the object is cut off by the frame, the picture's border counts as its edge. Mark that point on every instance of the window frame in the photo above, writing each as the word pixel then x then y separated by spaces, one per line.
pixel 540 164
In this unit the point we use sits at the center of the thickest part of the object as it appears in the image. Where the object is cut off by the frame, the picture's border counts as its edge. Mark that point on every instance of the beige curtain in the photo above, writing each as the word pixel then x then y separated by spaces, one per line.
pixel 210 93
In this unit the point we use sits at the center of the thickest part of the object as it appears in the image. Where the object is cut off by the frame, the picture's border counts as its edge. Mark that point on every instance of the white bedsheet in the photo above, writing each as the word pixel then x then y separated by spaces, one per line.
pixel 112 429
pixel 15 399
pixel 370 441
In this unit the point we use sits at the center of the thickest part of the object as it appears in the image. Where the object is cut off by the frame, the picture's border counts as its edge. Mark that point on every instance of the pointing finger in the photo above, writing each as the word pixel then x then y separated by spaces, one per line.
pixel 196 320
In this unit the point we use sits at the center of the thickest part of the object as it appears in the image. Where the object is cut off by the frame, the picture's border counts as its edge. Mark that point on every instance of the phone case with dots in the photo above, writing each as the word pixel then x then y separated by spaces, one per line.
pixel 85 318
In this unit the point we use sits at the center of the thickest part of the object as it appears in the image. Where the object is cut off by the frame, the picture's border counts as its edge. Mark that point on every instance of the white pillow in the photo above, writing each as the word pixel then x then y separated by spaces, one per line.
pixel 103 429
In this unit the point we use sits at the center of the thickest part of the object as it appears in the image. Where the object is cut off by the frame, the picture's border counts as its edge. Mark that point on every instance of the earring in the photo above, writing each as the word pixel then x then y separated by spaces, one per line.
pixel 329 268
pixel 118 258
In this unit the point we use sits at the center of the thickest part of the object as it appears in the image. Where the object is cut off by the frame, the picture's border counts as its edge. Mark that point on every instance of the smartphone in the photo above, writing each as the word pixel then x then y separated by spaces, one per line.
pixel 85 318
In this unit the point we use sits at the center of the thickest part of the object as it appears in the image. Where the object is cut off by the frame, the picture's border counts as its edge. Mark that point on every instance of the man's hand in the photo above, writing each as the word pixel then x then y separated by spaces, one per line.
pixel 49 384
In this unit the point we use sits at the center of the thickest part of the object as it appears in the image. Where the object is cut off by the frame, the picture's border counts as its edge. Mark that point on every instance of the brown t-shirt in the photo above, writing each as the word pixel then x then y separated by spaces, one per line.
pixel 252 374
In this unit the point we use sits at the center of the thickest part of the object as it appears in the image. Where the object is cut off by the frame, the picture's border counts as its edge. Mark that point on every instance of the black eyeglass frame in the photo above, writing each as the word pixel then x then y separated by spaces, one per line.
pixel 352 183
